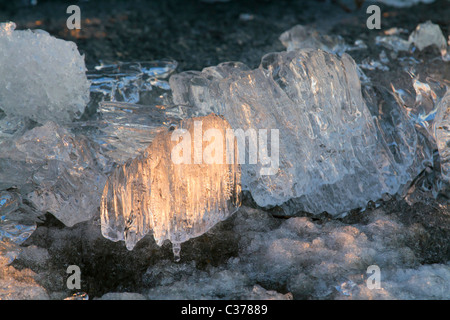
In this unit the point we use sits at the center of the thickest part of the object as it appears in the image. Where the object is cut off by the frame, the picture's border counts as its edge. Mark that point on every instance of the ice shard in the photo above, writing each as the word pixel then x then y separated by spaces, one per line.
pixel 174 189
pixel 124 130
pixel 305 37
pixel 333 156
pixel 442 134
pixel 428 34
pixel 42 78
pixel 55 170
pixel 132 81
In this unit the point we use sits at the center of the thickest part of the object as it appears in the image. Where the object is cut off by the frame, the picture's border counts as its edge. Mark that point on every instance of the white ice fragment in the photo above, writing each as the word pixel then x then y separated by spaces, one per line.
pixel 425 35
pixel 42 77
pixel 124 130
pixel 7 28
pixel 176 198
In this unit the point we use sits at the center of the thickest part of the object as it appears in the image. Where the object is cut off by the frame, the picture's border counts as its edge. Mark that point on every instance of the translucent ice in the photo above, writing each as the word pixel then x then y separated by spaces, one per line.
pixel 305 37
pixel 130 82
pixel 177 200
pixel 42 77
pixel 17 223
pixel 333 156
pixel 55 170
pixel 429 112
pixel 124 130
pixel 442 134
pixel 428 34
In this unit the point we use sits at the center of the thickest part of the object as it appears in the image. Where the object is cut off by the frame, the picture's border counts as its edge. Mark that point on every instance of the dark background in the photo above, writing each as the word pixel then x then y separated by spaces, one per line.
pixel 199 34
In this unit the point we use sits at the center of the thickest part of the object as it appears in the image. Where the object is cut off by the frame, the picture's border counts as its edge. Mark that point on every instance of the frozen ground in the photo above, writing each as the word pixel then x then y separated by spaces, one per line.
pixel 256 253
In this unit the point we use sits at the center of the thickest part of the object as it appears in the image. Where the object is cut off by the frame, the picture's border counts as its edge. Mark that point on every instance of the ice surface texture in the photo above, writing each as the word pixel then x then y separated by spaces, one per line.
pixel 130 81
pixel 56 171
pixel 442 134
pixel 426 34
pixel 333 156
pixel 42 77
pixel 305 37
pixel 177 201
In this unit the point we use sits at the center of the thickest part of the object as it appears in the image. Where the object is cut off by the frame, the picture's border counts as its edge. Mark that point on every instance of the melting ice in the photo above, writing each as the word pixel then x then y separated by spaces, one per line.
pixel 176 201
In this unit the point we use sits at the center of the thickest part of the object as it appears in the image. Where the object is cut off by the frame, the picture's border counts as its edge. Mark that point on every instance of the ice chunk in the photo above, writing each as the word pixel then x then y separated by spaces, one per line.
pixel 332 156
pixel 428 34
pixel 43 78
pixel 442 134
pixel 305 37
pixel 55 170
pixel 425 35
pixel 16 224
pixel 170 190
pixel 428 111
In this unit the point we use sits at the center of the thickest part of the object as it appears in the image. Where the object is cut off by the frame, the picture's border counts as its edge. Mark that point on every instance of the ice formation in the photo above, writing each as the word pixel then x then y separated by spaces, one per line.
pixel 426 34
pixel 124 130
pixel 305 37
pixel 57 172
pixel 132 102
pixel 130 82
pixel 43 78
pixel 176 199
pixel 334 155
pixel 442 134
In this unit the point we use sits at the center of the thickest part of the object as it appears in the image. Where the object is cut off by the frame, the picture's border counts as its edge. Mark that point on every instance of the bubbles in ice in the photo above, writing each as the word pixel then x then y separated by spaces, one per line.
pixel 175 199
